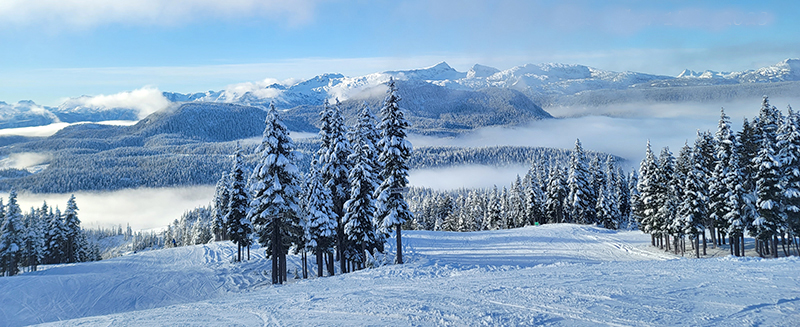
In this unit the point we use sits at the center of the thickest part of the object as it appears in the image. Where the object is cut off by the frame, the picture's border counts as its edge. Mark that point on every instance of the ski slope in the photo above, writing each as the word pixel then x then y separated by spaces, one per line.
pixel 559 275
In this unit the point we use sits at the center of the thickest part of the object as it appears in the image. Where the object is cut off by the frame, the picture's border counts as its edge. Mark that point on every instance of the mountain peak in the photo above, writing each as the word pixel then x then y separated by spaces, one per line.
pixel 439 72
pixel 478 71
pixel 441 66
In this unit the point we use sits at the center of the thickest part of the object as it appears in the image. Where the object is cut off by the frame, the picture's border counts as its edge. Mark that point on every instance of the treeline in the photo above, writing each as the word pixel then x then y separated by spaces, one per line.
pixel 729 184
pixel 41 236
pixel 341 211
pixel 570 187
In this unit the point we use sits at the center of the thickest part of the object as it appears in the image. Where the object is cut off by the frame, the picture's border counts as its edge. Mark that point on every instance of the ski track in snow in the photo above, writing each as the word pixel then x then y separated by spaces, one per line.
pixel 556 275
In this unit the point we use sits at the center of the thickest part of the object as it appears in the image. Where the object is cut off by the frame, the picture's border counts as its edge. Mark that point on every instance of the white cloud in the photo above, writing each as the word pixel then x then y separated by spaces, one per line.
pixel 24 160
pixel 258 89
pixel 91 13
pixel 146 100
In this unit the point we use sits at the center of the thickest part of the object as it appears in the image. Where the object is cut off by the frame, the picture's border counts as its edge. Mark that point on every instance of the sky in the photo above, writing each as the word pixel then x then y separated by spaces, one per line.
pixel 53 49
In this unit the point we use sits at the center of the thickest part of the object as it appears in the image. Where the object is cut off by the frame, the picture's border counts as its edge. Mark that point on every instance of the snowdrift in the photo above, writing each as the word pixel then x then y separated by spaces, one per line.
pixel 563 275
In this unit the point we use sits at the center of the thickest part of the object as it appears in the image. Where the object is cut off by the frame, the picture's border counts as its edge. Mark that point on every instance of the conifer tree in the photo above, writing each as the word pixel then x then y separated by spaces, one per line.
pixel 607 207
pixel 789 145
pixel 724 144
pixel 650 189
pixel 318 207
pixel 274 205
pixel 394 153
pixel 222 194
pixel 335 150
pixel 768 191
pixel 692 207
pixel 360 208
pixel 579 185
pixel 240 225
pixel 556 195
pixel 734 206
pixel 73 230
pixel 667 196
pixel 56 238
pixel 534 200
pixel 10 237
pixel 516 205
pixel 634 203
pixel 493 218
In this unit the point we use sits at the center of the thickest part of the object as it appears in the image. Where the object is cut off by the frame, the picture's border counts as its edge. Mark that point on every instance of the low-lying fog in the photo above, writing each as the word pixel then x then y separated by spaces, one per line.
pixel 143 208
pixel 622 130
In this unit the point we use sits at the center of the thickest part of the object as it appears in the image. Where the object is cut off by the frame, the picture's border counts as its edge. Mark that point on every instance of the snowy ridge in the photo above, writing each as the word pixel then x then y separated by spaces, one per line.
pixel 787 70
pixel 560 275
pixel 535 81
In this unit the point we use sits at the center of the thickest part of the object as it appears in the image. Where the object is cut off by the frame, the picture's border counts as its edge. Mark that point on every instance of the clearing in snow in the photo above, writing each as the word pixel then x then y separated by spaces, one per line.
pixel 560 274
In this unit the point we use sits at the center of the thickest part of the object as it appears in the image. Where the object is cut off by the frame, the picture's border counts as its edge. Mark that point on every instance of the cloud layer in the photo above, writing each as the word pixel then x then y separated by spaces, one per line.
pixel 144 208
pixel 146 100
pixel 91 13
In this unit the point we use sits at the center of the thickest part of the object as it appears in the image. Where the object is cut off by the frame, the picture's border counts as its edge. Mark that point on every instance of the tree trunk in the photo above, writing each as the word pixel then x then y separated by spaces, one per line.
pixel 331 264
pixel 276 250
pixel 319 262
pixel 697 245
pixel 399 245
pixel 704 242
pixel 775 246
pixel 653 239
pixel 743 252
pixel 713 232
pixel 783 244
pixel 248 253
pixel 283 267
pixel 732 249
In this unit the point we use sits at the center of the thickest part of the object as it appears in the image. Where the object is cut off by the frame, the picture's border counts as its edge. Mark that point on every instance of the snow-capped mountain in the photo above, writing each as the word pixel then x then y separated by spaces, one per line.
pixel 543 84
pixel 529 79
pixel 24 114
pixel 787 70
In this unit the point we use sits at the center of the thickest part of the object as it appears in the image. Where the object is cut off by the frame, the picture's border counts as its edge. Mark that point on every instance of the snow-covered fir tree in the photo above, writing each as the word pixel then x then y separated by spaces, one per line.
pixel 667 197
pixel 335 150
pixel 73 230
pixel 789 145
pixel 734 207
pixel 555 197
pixel 222 194
pixel 275 195
pixel 693 206
pixel 724 144
pixel 363 179
pixel 608 213
pixel 240 225
pixel 766 226
pixel 10 237
pixel 579 184
pixel 650 189
pixel 318 208
pixel 392 209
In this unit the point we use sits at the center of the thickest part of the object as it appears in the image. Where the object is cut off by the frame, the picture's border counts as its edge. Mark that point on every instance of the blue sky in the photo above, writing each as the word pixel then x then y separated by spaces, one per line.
pixel 50 50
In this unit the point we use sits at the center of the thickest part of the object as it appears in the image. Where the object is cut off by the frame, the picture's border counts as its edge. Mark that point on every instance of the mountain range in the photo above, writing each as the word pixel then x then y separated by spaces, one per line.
pixel 440 99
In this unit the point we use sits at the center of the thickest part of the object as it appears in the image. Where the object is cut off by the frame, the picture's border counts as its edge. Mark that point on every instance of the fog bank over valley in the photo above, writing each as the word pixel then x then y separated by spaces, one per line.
pixel 142 208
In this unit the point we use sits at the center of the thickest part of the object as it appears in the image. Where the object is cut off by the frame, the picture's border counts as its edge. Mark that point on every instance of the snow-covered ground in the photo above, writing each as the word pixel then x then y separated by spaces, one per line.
pixel 563 275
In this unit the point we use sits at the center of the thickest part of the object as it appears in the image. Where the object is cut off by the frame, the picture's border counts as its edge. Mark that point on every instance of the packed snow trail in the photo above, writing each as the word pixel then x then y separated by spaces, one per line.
pixel 561 275
pixel 138 281
pixel 531 246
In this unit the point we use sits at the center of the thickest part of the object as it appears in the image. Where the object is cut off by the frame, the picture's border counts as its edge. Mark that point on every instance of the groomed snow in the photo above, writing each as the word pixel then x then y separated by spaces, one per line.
pixel 562 275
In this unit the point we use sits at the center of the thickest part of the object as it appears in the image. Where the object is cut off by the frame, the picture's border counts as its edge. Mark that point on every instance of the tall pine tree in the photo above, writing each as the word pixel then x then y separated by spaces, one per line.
pixel 394 153
pixel 274 205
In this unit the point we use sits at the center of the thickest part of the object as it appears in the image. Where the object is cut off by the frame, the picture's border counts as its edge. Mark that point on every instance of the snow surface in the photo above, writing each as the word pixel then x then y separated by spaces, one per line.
pixel 561 275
